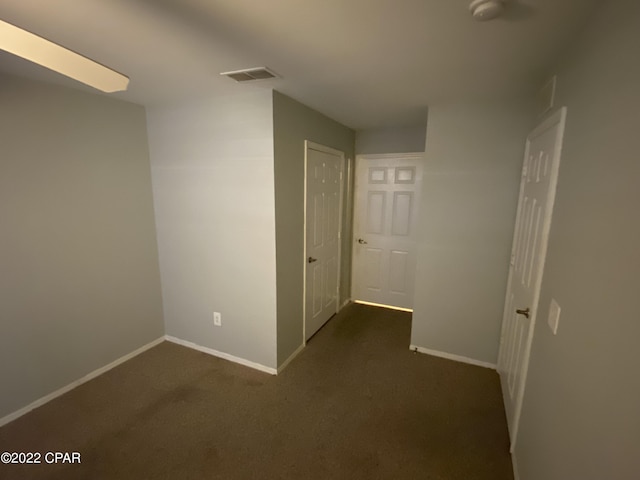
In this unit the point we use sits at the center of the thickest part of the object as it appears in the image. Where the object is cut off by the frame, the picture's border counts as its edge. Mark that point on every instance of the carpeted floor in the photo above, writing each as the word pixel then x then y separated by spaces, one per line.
pixel 355 404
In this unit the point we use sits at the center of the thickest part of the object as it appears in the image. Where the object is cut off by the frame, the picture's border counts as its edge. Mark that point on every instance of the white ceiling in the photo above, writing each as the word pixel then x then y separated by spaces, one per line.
pixel 365 63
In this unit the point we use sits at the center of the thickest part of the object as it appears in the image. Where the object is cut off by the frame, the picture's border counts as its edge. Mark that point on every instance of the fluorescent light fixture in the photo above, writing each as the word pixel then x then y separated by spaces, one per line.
pixel 59 59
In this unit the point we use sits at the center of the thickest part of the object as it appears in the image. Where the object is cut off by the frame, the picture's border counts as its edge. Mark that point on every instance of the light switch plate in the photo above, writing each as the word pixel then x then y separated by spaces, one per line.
pixel 554 316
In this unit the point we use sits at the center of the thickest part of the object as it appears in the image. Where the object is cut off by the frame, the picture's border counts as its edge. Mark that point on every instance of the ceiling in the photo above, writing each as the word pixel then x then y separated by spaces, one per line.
pixel 365 63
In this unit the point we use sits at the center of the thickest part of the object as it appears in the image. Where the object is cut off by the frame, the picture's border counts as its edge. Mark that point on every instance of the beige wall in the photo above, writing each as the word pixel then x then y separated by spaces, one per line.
pixel 213 186
pixel 404 139
pixel 581 411
pixel 79 281
pixel 472 169
pixel 228 179
pixel 293 124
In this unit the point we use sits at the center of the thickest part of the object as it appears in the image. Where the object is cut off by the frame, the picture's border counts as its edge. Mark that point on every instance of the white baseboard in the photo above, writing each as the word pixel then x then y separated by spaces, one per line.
pixel 345 303
pixel 291 357
pixel 456 358
pixel 225 356
pixel 90 376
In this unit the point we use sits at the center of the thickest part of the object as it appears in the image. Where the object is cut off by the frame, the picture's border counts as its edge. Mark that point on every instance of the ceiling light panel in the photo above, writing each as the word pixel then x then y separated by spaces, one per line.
pixel 59 59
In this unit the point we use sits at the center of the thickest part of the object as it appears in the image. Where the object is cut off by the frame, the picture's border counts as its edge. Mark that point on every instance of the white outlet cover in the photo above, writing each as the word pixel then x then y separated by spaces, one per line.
pixel 217 319
pixel 554 316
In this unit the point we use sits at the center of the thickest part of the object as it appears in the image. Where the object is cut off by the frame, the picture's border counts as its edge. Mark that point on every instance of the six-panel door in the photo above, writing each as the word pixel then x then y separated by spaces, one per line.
pixel 535 208
pixel 387 196
pixel 322 245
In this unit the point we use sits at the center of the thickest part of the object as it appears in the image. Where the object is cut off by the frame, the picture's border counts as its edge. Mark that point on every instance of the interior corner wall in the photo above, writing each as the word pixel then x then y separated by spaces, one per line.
pixel 580 416
pixel 473 161
pixel 293 124
pixel 213 187
pixel 406 139
pixel 80 285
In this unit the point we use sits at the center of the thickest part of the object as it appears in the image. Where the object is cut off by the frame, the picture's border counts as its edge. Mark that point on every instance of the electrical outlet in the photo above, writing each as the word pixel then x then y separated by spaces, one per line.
pixel 217 319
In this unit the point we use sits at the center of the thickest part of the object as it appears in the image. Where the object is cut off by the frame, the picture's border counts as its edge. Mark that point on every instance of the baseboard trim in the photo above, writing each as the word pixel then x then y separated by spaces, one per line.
pixel 345 303
pixel 455 358
pixel 291 357
pixel 224 356
pixel 90 376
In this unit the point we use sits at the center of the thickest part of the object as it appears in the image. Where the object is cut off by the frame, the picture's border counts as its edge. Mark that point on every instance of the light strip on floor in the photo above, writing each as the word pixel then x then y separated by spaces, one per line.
pixel 59 59
pixel 383 306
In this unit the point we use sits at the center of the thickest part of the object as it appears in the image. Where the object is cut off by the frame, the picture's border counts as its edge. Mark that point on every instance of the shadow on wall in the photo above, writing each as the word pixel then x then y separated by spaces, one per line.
pixel 404 139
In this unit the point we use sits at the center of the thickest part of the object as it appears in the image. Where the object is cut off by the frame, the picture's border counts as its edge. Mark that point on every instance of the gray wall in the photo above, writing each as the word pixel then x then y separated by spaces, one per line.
pixel 581 412
pixel 391 140
pixel 213 185
pixel 80 285
pixel 293 124
pixel 473 161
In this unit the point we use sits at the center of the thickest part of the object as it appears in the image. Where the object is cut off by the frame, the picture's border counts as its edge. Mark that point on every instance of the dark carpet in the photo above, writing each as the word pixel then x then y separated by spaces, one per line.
pixel 355 404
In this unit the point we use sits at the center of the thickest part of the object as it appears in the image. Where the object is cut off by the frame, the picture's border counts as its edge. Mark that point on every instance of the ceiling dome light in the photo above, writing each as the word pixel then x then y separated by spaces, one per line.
pixel 486 9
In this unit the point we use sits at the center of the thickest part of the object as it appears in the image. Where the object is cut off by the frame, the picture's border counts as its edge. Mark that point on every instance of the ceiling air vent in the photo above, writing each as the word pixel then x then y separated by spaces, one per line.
pixel 249 74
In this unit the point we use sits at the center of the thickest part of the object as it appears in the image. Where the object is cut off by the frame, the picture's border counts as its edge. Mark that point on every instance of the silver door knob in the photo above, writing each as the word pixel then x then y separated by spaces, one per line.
pixel 362 242
pixel 524 312
pixel 311 260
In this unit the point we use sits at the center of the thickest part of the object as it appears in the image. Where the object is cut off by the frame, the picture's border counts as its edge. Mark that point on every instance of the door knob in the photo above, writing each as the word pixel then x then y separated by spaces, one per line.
pixel 311 260
pixel 524 312
pixel 361 241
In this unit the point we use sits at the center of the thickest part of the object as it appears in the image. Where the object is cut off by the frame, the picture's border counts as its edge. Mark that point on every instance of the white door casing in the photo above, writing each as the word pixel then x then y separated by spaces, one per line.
pixel 387 196
pixel 533 223
pixel 323 220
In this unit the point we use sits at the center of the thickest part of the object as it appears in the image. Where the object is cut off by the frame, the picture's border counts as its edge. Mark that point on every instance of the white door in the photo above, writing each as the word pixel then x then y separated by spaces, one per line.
pixel 387 195
pixel 322 235
pixel 535 208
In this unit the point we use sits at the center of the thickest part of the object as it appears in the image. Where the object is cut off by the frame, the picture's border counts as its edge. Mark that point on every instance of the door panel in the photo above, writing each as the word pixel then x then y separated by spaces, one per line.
pixel 318 217
pixel 333 214
pixel 405 175
pixel 323 217
pixel 377 175
pixel 387 194
pixel 373 265
pixel 375 212
pixel 535 208
pixel 401 215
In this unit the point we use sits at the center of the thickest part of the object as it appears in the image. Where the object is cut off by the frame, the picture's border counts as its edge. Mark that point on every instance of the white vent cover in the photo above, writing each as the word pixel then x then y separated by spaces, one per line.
pixel 250 74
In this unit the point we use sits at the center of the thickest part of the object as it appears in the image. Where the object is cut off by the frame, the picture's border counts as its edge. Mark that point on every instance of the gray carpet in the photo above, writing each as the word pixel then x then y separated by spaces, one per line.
pixel 355 404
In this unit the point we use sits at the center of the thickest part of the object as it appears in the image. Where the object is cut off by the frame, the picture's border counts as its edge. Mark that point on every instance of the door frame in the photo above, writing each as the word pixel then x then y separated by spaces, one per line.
pixel 557 118
pixel 354 222
pixel 309 145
